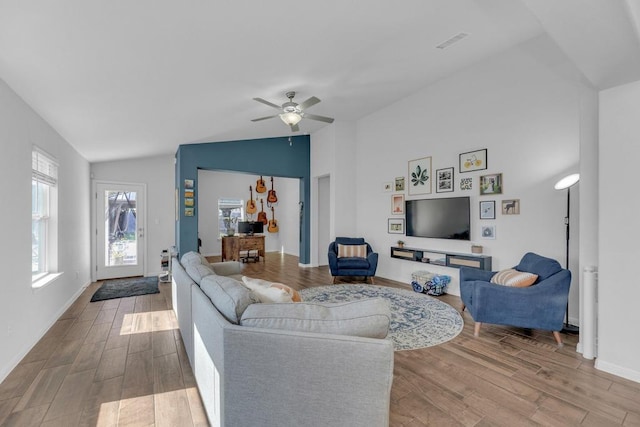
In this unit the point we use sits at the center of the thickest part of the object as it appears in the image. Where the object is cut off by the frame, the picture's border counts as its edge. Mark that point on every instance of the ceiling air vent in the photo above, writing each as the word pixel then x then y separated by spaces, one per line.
pixel 455 39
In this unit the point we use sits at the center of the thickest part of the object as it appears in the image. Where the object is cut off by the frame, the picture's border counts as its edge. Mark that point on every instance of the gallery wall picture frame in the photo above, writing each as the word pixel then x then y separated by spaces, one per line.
pixel 395 226
pixel 491 184
pixel 473 160
pixel 420 176
pixel 444 180
pixel 488 231
pixel 387 186
pixel 488 209
pixel 466 184
pixel 189 211
pixel 188 183
pixel 511 207
pixel 400 183
pixel 397 204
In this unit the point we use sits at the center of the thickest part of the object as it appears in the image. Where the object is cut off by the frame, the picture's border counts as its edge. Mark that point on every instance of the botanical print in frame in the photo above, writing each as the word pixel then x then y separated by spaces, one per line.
pixel 511 207
pixel 397 204
pixel 395 226
pixel 488 209
pixel 473 160
pixel 444 180
pixel 420 176
pixel 491 184
pixel 400 183
pixel 488 232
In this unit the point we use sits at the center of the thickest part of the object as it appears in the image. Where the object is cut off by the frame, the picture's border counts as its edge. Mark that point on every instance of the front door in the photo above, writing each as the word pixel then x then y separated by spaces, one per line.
pixel 120 230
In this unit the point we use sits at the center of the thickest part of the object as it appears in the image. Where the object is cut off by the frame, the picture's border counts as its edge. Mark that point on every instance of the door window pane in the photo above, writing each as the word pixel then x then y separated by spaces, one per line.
pixel 121 239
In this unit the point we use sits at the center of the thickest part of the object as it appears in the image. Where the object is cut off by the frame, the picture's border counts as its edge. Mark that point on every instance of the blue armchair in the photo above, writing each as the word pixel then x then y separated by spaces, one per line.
pixel 539 306
pixel 352 266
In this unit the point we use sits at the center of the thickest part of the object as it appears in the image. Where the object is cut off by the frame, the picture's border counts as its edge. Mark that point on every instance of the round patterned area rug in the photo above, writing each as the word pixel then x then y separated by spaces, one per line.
pixel 417 320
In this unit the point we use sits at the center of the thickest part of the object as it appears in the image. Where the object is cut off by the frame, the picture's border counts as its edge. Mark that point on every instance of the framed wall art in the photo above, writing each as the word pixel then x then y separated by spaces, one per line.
pixel 444 180
pixel 488 232
pixel 473 160
pixel 397 204
pixel 420 176
pixel 400 183
pixel 491 184
pixel 387 186
pixel 395 226
pixel 488 209
pixel 511 207
pixel 466 184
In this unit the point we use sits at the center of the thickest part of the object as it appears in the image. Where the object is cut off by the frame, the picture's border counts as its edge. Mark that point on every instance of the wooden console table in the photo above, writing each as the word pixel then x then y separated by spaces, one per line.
pixel 233 245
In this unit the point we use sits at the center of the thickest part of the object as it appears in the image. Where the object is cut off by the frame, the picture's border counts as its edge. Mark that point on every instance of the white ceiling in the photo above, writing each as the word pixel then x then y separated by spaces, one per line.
pixel 123 79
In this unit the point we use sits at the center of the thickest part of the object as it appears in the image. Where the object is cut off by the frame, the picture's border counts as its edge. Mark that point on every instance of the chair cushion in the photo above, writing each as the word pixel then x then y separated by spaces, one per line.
pixel 230 297
pixel 364 318
pixel 353 263
pixel 536 264
pixel 514 278
pixel 352 251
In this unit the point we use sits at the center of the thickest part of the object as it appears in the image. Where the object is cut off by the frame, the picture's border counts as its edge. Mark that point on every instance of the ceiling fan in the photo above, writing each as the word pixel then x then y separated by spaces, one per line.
pixel 292 112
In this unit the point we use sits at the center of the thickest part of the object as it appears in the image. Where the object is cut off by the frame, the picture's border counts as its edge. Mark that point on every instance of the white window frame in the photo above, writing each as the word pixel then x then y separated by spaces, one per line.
pixel 44 213
pixel 228 203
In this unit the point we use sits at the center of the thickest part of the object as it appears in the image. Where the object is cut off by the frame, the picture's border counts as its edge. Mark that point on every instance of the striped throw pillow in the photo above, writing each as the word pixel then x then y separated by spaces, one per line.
pixel 514 278
pixel 352 251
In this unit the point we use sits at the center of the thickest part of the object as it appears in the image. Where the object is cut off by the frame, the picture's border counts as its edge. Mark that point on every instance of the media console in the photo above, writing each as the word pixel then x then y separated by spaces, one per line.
pixel 445 259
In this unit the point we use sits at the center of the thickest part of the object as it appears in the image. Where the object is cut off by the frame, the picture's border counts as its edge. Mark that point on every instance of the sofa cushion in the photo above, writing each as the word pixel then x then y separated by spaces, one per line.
pixel 268 291
pixel 353 263
pixel 193 257
pixel 198 271
pixel 229 296
pixel 514 278
pixel 352 251
pixel 536 264
pixel 364 318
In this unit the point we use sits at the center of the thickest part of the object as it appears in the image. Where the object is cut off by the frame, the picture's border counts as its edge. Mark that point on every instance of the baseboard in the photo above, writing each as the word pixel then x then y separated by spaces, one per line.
pixel 6 370
pixel 620 371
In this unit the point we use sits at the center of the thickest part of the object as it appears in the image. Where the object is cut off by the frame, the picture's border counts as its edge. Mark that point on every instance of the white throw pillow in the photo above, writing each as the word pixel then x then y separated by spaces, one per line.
pixel 265 292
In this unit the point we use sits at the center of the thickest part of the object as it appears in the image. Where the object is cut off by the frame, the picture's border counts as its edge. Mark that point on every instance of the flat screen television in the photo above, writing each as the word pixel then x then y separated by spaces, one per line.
pixel 250 227
pixel 444 218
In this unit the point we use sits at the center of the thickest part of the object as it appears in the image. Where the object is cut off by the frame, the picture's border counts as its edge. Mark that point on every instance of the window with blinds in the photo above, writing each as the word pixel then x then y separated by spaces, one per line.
pixel 44 179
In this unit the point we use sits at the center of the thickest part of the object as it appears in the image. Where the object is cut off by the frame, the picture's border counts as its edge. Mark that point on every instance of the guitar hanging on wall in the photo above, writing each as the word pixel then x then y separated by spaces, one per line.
pixel 273 224
pixel 272 197
pixel 251 204
pixel 262 215
pixel 260 186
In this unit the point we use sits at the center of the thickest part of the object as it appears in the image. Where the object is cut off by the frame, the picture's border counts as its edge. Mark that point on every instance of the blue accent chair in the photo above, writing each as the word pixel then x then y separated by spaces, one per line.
pixel 539 306
pixel 352 266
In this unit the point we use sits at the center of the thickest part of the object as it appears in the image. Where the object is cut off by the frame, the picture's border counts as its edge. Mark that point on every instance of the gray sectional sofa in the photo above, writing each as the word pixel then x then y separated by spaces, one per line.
pixel 284 364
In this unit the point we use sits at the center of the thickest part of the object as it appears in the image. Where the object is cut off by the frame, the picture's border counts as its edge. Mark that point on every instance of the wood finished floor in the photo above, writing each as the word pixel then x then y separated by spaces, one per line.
pixel 121 362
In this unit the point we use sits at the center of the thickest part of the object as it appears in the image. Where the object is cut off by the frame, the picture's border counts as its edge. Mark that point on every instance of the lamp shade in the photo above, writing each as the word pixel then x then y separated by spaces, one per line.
pixel 567 181
pixel 291 118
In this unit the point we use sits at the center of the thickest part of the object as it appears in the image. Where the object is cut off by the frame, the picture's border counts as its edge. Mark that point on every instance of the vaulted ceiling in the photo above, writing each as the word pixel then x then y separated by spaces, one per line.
pixel 123 79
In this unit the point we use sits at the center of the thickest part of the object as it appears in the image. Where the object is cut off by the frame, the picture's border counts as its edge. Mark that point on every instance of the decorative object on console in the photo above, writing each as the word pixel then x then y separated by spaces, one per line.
pixel 566 183
pixel 476 249
pixel 444 180
pixel 400 243
pixel 488 209
pixel 473 160
pixel 395 226
pixel 511 207
pixel 400 183
pixel 397 204
pixel 466 184
pixel 420 176
pixel 491 184
pixel 488 232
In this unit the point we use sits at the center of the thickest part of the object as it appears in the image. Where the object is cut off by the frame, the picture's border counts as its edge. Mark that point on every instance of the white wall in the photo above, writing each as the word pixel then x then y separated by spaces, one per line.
pixel 25 313
pixel 158 175
pixel 619 251
pixel 213 185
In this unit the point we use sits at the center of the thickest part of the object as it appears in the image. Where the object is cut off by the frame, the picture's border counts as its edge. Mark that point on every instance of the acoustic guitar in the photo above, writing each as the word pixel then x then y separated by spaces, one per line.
pixel 272 197
pixel 273 224
pixel 251 204
pixel 262 215
pixel 260 186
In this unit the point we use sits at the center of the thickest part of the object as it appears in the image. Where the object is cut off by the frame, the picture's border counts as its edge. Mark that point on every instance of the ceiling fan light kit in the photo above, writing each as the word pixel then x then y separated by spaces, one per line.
pixel 292 112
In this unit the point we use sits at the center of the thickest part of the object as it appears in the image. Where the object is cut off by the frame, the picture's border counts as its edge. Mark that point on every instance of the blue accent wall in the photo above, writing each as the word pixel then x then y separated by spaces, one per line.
pixel 268 157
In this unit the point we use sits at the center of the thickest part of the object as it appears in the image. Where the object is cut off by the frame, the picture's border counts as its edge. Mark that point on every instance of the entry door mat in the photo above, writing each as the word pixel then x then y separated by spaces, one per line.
pixel 130 287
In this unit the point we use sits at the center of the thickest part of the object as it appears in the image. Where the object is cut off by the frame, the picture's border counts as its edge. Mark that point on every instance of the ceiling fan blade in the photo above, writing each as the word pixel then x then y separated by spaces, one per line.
pixel 295 128
pixel 319 118
pixel 270 104
pixel 309 102
pixel 264 118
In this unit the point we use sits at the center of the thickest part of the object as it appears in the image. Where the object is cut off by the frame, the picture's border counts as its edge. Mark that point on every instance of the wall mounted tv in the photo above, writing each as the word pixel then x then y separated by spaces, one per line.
pixel 444 218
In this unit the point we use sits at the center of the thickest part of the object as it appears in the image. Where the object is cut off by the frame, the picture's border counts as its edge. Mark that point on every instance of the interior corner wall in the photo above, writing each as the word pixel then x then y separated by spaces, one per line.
pixel 278 157
pixel 618 293
pixel 26 314
pixel 523 107
pixel 157 172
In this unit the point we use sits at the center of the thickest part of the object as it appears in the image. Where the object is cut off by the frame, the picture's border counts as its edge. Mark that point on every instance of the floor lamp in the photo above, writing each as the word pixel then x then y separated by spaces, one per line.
pixel 566 183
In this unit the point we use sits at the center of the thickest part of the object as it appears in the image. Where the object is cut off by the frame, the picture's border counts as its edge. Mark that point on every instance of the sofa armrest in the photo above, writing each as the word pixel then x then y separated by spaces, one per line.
pixel 227 268
pixel 468 274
